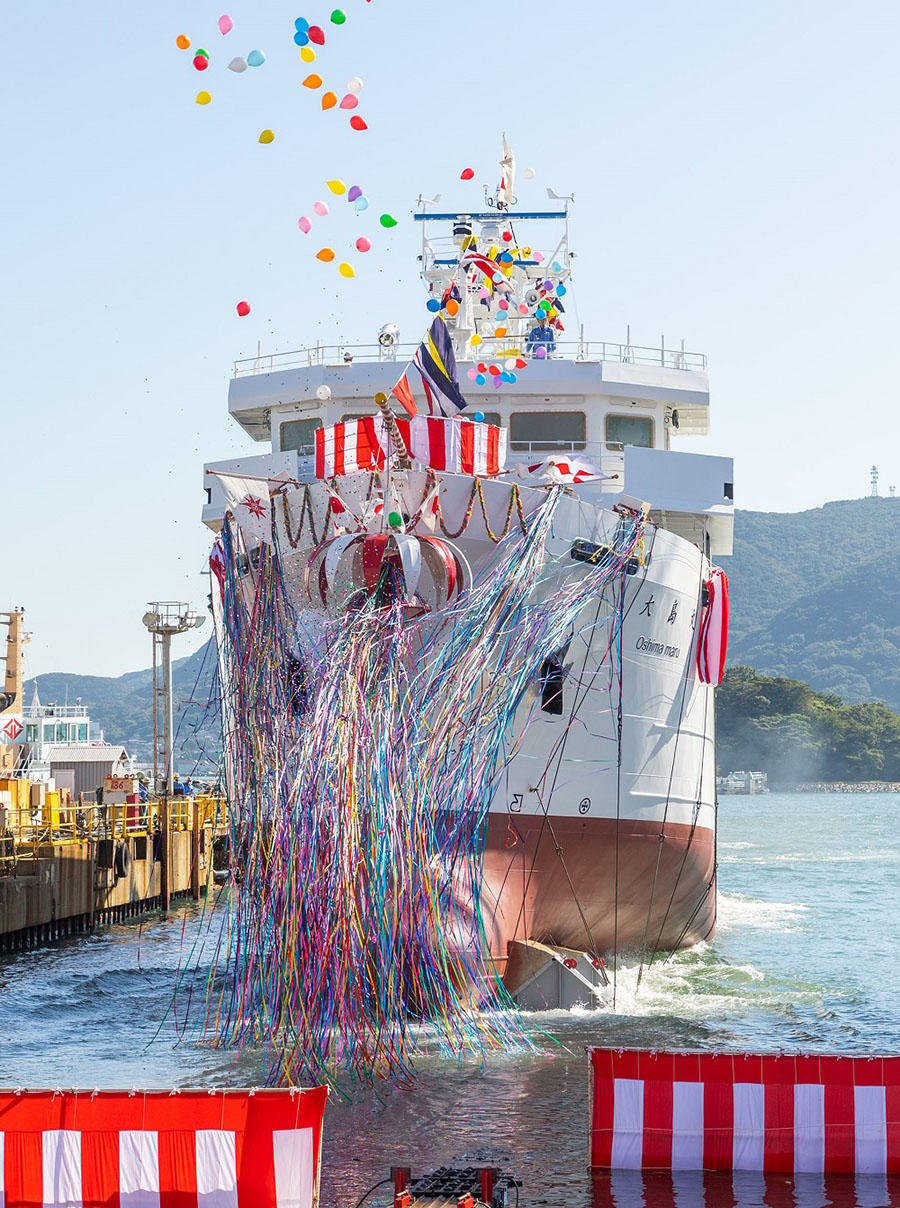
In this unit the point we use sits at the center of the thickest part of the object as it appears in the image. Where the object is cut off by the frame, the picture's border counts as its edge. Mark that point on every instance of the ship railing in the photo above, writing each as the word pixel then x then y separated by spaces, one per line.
pixel 491 348
pixel 28 830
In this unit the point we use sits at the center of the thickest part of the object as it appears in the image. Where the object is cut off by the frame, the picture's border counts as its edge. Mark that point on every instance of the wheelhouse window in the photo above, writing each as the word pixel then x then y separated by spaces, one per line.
pixel 48 732
pixel 630 430
pixel 299 435
pixel 82 731
pixel 31 733
pixel 547 431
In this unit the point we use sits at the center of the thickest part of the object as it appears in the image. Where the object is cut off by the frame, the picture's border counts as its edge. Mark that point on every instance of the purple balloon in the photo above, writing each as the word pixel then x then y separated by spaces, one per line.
pixel 548 284
pixel 540 353
pixel 353 192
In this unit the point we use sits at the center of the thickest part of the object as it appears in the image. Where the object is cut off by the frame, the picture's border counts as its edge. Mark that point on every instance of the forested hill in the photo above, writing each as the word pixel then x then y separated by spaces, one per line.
pixel 815 596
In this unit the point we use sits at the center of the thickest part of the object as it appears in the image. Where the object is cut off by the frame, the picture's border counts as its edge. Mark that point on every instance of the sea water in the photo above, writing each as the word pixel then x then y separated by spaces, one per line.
pixel 804 960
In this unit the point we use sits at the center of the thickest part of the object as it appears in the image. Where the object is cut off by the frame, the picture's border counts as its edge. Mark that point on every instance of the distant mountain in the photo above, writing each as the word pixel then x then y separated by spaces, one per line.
pixel 122 707
pixel 815 596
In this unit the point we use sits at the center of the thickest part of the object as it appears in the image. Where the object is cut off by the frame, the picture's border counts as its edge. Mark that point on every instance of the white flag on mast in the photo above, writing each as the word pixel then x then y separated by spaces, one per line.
pixel 507 189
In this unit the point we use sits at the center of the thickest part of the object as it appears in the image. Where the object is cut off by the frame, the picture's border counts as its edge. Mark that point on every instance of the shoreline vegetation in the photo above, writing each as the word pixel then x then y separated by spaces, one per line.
pixel 806 741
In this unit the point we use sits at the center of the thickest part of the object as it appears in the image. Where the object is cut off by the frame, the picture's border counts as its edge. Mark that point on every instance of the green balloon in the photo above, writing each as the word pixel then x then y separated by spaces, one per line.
pixel 395 519
pixel 388 220
pixel 203 53
pixel 338 17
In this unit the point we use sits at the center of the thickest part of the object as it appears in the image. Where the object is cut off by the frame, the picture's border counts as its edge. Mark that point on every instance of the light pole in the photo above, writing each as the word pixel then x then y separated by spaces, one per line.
pixel 163 619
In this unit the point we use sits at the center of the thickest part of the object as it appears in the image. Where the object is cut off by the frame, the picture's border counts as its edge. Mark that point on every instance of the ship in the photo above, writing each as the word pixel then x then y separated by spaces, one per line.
pixel 601 833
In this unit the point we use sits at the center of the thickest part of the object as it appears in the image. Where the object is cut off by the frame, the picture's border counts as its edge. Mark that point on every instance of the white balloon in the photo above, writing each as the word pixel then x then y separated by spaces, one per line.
pixel 238 64
pixel 355 85
pixel 323 393
pixel 529 174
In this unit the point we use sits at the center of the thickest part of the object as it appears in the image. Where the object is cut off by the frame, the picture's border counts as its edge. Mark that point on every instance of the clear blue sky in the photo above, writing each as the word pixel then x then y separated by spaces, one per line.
pixel 735 171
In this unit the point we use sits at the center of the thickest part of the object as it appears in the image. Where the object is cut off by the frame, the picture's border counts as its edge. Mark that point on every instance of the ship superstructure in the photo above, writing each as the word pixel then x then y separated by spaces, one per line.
pixel 601 833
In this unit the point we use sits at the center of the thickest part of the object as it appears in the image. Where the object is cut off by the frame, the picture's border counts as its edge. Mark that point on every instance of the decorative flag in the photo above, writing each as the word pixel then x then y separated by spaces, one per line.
pixel 248 501
pixel 453 445
pixel 355 446
pixel 563 469
pixel 436 362
pixel 244 1149
pixel 404 395
pixel 718 1111
pixel 217 562
pixel 506 191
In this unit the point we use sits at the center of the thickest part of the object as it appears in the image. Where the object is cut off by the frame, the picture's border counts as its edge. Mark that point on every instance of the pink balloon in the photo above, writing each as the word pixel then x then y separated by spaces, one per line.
pixel 503 304
pixel 472 374
pixel 320 208
pixel 304 224
pixel 483 293
pixel 350 101
pixel 523 309
pixel 539 257
pixel 226 25
pixel 363 244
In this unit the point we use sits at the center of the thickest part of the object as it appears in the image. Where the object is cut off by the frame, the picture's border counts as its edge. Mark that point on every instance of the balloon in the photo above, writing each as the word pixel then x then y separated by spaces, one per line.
pixel 325 254
pixel 498 382
pixel 361 203
pixel 317 35
pixel 329 100
pixel 363 244
pixel 301 23
pixel 301 37
pixel 507 236
pixel 506 377
pixel 529 174
pixel 556 267
pixel 540 353
pixel 471 374
pixel 243 309
pixel 313 81
pixel 203 98
pixel 548 284
pixel 433 305
pixel 355 85
pixel 506 258
pixel 307 54
pixel 388 220
pixel 203 53
pixel 467 174
pixel 323 393
pixel 267 136
pixel 494 370
pixel 350 101
pixel 256 58
pixel 346 270
pixel 304 224
pixel 337 187
pixel 510 362
pixel 338 17
pixel 503 304
pixel 478 417
pixel 200 63
pixel 320 208
pixel 475 340
pixel 543 305
pixel 523 309
pixel 238 64
pixel 358 123
pixel 483 294
pixel 226 25
pixel 395 520
pixel 480 379
pixel 452 307
pixel 482 368
pixel 561 291
pixel 539 257
pixel 521 364
pixel 353 192
pixel 183 42
pixel 552 313
pixel 500 331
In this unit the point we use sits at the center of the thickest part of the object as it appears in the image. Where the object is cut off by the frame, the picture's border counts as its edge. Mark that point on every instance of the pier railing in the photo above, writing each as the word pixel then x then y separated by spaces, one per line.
pixel 27 831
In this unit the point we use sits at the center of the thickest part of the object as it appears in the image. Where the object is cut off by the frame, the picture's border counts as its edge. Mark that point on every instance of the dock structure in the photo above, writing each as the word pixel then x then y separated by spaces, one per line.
pixel 68 868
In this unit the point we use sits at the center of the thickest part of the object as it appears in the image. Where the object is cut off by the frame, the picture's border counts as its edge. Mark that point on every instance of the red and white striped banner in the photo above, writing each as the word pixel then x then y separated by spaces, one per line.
pixel 153 1149
pixel 453 445
pixel 696 1111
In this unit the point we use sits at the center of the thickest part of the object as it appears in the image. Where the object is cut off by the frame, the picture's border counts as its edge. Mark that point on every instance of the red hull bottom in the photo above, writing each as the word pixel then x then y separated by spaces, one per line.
pixel 573 883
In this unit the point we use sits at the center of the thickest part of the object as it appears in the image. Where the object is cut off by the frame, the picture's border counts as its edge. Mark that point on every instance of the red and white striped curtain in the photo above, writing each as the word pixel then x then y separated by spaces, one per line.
pixel 216 1149
pixel 696 1111
pixel 453 445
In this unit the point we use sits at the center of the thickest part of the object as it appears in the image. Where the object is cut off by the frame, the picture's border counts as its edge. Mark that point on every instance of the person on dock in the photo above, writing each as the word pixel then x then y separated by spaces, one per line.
pixel 189 790
pixel 177 786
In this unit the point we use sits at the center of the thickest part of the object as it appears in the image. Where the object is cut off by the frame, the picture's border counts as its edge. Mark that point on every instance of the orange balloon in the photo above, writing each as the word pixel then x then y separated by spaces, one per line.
pixel 329 100
pixel 313 81
pixel 500 331
pixel 183 42
pixel 452 307
pixel 326 254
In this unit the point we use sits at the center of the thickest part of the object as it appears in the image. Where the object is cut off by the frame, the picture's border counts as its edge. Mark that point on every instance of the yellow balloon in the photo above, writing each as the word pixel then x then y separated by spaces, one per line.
pixel 267 136
pixel 325 254
pixel 307 54
pixel 475 340
pixel 203 98
pixel 337 187
pixel 492 254
pixel 346 270
pixel 313 81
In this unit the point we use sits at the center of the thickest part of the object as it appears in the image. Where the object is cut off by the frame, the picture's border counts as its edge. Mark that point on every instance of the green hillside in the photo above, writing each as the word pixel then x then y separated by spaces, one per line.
pixel 815 596
pixel 796 734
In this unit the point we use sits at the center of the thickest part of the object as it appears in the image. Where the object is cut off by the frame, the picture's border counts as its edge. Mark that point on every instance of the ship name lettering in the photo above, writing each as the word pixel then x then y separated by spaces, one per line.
pixel 651 646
